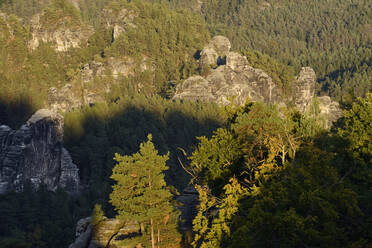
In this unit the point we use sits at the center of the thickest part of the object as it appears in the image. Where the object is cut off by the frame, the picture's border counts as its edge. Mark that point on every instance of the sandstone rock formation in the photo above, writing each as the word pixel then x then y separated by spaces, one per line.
pixel 83 92
pixel 115 66
pixel 330 109
pixel 236 80
pixel 119 22
pixel 69 97
pixel 35 154
pixel 107 233
pixel 214 53
pixel 63 37
pixel 304 88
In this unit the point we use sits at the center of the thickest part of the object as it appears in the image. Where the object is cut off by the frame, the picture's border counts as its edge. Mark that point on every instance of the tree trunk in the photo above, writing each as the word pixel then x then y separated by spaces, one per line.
pixel 158 236
pixel 152 234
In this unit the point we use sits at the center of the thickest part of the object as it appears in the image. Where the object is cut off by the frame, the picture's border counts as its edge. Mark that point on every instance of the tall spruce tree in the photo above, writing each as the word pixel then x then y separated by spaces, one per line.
pixel 140 192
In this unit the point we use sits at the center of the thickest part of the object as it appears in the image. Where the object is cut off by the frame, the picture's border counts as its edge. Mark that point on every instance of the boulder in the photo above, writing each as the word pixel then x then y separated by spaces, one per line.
pixel 35 154
pixel 107 233
pixel 104 232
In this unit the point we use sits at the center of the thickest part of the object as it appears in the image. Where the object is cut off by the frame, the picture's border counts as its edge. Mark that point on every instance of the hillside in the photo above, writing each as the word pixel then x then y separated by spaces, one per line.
pixel 185 123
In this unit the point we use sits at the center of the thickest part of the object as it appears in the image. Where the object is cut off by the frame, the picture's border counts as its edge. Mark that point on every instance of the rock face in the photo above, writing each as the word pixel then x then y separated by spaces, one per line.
pixel 304 88
pixel 330 109
pixel 68 98
pixel 118 21
pixel 84 92
pixel 116 66
pixel 215 51
pixel 35 154
pixel 62 37
pixel 235 80
pixel 107 233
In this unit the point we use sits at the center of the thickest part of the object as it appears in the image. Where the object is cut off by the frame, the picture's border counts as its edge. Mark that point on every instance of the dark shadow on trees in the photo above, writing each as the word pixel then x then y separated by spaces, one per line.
pixel 14 112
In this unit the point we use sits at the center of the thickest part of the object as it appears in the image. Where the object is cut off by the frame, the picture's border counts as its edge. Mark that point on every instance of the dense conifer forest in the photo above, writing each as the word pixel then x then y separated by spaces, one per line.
pixel 266 176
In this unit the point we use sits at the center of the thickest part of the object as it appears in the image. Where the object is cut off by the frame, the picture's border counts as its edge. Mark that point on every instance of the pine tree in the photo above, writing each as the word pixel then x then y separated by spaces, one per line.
pixel 140 192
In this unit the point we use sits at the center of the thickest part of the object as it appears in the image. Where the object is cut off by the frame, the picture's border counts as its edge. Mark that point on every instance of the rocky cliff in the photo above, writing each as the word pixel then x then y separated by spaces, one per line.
pixel 35 154
pixel 233 79
pixel 62 30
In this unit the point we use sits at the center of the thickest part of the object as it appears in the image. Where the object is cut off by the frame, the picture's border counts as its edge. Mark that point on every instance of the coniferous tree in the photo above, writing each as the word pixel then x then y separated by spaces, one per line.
pixel 140 193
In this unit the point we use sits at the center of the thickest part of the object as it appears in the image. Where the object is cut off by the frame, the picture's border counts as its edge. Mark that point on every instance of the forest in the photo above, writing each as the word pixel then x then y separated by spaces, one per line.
pixel 266 176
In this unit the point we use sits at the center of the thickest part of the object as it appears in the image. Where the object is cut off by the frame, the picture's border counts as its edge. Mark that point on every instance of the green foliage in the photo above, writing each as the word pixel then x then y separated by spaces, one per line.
pixel 61 13
pixel 166 39
pixel 266 136
pixel 357 128
pixel 97 214
pixel 300 190
pixel 140 193
pixel 209 232
pixel 307 204
pixel 23 8
pixel 40 219
pixel 214 159
pixel 281 74
pixel 334 37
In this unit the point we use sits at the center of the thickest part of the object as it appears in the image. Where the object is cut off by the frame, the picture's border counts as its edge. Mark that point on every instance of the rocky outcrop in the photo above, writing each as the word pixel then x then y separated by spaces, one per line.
pixel 35 154
pixel 63 37
pixel 113 67
pixel 330 109
pixel 304 98
pixel 304 88
pixel 83 92
pixel 119 21
pixel 214 53
pixel 69 97
pixel 234 79
pixel 107 233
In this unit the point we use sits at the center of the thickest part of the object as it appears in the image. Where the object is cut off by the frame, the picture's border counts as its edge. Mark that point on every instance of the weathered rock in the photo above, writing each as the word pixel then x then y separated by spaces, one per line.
pixel 304 88
pixel 221 44
pixel 119 22
pixel 235 80
pixel 108 233
pixel 69 97
pixel 208 57
pixel 329 109
pixel 35 154
pixel 77 94
pixel 104 232
pixel 214 53
pixel 63 37
pixel 130 229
